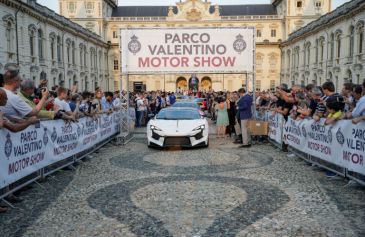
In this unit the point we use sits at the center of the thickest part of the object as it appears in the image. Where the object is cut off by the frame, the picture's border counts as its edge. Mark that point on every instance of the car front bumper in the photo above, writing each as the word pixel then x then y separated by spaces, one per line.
pixel 178 139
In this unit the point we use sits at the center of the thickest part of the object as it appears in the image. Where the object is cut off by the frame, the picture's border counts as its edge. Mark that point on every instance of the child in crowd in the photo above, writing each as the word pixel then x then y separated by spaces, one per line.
pixel 335 107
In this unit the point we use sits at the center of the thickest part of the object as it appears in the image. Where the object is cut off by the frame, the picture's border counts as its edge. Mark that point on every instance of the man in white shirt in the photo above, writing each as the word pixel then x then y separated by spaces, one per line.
pixel 141 109
pixel 64 107
pixel 16 107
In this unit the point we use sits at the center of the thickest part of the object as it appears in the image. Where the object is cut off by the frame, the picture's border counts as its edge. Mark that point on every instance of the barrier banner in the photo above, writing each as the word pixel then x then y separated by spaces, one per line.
pixel 342 143
pixel 293 134
pixel 320 141
pixel 34 148
pixel 276 123
pixel 350 144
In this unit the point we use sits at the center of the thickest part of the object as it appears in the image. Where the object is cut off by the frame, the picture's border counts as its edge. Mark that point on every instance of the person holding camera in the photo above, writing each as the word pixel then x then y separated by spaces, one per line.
pixel 16 107
pixel 27 89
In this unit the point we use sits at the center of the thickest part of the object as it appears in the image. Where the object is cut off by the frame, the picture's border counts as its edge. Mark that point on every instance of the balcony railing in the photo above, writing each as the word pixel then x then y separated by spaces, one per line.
pixel 227 18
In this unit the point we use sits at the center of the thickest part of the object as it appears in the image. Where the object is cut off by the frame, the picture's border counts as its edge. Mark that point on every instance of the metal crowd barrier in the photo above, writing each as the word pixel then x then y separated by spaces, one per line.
pixel 338 169
pixel 112 126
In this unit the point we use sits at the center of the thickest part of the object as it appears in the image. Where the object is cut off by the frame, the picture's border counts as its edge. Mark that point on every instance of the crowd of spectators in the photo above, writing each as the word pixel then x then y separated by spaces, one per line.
pixel 22 103
pixel 304 102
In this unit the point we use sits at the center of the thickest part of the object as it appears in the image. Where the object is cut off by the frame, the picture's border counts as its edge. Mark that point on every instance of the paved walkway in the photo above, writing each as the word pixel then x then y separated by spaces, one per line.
pixel 220 191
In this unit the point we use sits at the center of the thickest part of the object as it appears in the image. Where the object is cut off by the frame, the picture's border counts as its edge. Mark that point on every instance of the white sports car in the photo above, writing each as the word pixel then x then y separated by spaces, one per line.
pixel 183 127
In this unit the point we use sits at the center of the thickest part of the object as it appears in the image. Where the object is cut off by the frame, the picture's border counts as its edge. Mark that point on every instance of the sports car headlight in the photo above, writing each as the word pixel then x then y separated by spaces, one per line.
pixel 201 127
pixel 153 127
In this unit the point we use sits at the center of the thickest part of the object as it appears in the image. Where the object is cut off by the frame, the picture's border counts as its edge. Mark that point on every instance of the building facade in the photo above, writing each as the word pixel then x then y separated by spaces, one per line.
pixel 45 45
pixel 274 22
pixel 82 43
pixel 328 49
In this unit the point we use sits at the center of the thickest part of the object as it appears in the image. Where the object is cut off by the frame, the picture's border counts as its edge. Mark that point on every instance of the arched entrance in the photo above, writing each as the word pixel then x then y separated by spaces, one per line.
pixel 181 84
pixel 193 83
pixel 206 84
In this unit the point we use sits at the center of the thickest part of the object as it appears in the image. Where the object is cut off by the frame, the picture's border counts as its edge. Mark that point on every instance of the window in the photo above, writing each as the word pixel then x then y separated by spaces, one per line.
pixel 99 59
pixel 59 57
pixel 89 7
pixel 332 45
pixel 318 4
pixel 68 48
pixel 272 84
pixel 31 43
pixel 338 42
pixel 351 45
pixel 73 52
pixel 116 65
pixel 259 61
pixel 85 56
pixel 9 37
pixel 115 35
pixel 360 38
pixel 322 49
pixel 258 33
pixel 258 85
pixel 317 44
pixel 40 44
pixel 273 61
pixel 52 47
pixel 81 53
pixel 91 58
pixel 299 4
pixel 308 54
pixel 72 7
pixel 273 33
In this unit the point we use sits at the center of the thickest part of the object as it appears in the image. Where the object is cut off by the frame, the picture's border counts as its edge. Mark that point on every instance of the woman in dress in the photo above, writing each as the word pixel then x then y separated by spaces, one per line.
pixel 222 117
pixel 231 102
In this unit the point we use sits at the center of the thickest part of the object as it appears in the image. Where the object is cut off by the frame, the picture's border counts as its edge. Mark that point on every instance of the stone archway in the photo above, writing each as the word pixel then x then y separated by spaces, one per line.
pixel 181 84
pixel 206 84
pixel 194 83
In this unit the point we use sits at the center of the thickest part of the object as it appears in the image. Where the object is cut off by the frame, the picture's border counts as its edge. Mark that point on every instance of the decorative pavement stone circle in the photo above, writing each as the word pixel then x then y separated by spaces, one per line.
pixel 115 201
pixel 197 161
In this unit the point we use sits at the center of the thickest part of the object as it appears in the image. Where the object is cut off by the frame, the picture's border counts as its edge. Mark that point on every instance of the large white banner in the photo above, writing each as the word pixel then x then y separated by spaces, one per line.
pixel 34 148
pixel 198 50
pixel 342 143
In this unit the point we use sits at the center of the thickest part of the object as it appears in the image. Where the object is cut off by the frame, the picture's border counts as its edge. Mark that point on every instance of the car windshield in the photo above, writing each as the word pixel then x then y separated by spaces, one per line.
pixel 186 105
pixel 199 100
pixel 178 114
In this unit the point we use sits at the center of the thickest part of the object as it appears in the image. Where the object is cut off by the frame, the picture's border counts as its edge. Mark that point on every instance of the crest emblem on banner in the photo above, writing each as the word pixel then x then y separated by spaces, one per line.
pixel 340 137
pixel 96 123
pixel 78 130
pixel 329 134
pixel 54 135
pixel 304 131
pixel 45 137
pixel 239 45
pixel 134 46
pixel 8 146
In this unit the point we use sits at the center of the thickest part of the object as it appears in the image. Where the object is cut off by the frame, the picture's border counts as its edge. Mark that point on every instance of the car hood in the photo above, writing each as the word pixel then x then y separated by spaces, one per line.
pixel 177 125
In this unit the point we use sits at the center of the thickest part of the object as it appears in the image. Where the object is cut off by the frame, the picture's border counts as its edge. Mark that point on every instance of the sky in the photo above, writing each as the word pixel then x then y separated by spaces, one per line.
pixel 53 4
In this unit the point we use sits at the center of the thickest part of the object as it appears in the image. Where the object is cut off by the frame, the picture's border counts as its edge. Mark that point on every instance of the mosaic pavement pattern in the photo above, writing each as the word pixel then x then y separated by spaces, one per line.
pixel 220 191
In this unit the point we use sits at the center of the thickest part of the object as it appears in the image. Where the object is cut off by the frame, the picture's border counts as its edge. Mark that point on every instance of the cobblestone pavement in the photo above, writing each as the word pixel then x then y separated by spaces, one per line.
pixel 220 191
